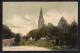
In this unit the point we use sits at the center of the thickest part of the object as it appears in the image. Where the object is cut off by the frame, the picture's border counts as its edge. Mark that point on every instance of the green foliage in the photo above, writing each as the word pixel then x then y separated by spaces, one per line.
pixel 50 24
pixel 49 28
pixel 34 34
pixel 22 42
pixel 56 32
pixel 43 31
pixel 73 34
pixel 6 32
pixel 26 37
pixel 44 43
pixel 40 43
pixel 17 38
pixel 64 34
pixel 30 42
pixel 63 25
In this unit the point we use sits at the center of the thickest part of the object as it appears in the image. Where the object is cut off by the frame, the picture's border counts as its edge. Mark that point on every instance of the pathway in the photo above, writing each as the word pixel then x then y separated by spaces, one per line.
pixel 25 48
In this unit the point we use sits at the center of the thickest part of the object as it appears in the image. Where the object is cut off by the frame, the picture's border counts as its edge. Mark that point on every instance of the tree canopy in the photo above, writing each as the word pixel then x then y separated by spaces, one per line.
pixel 63 25
pixel 6 32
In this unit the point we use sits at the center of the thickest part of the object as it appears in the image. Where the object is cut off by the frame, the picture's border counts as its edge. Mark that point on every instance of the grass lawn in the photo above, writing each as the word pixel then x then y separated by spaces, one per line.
pixel 43 43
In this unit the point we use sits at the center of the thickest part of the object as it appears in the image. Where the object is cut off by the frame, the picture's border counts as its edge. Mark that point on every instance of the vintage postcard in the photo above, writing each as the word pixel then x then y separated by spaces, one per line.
pixel 40 26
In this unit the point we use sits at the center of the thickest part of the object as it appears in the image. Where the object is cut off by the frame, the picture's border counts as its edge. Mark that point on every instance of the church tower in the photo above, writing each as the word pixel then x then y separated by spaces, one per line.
pixel 41 19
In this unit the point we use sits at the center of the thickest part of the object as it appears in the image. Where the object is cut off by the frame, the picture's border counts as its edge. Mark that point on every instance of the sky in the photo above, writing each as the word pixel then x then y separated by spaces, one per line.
pixel 21 17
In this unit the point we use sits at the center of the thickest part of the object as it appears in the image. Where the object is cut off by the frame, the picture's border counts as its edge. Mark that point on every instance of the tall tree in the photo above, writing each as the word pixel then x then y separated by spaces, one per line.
pixel 73 34
pixel 17 38
pixel 49 28
pixel 63 25
pixel 6 32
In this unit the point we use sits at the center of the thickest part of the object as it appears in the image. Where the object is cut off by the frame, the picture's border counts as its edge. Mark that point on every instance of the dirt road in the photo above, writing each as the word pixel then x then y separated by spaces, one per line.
pixel 25 48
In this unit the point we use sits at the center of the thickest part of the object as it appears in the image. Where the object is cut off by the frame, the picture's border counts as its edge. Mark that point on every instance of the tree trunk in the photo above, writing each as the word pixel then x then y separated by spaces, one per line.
pixel 36 39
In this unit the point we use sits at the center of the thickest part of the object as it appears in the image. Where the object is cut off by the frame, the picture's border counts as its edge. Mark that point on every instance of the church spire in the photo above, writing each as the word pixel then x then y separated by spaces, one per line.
pixel 74 18
pixel 41 13
pixel 41 20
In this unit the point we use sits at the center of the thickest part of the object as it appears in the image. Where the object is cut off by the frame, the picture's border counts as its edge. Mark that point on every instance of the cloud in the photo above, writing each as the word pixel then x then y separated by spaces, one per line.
pixel 20 25
pixel 26 23
pixel 24 18
pixel 54 16
pixel 18 21
pixel 27 18
pixel 22 31
pixel 12 26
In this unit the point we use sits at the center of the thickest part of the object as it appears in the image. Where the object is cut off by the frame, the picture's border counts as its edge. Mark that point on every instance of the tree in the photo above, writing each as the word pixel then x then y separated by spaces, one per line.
pixel 43 31
pixel 6 32
pixel 63 25
pixel 17 38
pixel 34 34
pixel 73 34
pixel 38 33
pixel 31 34
pixel 57 33
pixel 24 37
pixel 50 27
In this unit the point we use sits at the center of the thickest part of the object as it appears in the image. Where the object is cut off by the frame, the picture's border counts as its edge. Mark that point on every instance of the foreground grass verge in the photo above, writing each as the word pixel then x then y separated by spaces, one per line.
pixel 44 43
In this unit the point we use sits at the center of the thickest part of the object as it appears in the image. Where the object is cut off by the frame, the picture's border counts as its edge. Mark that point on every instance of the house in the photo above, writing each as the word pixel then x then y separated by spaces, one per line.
pixel 7 42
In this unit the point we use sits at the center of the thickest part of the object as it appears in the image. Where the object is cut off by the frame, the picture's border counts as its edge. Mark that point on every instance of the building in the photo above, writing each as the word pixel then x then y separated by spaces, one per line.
pixel 41 19
pixel 7 42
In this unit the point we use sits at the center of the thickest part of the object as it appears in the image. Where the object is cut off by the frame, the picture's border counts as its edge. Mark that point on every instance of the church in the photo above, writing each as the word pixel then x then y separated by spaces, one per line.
pixel 41 19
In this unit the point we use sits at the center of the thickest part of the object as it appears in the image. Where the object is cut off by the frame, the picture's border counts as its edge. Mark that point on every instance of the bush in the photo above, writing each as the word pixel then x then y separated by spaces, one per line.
pixel 30 42
pixel 17 38
pixel 22 42
pixel 44 43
